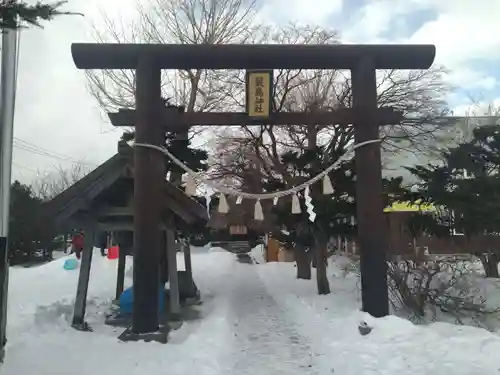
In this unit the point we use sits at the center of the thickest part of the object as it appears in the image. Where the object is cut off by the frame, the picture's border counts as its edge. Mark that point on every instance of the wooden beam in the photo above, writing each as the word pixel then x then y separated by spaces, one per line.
pixel 84 277
pixel 125 150
pixel 120 276
pixel 148 182
pixel 181 121
pixel 105 211
pixel 122 226
pixel 252 56
pixel 372 232
pixel 175 304
pixel 186 249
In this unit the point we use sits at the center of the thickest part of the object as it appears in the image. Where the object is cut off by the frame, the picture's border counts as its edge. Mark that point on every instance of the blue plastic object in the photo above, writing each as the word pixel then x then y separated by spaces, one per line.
pixel 70 264
pixel 126 300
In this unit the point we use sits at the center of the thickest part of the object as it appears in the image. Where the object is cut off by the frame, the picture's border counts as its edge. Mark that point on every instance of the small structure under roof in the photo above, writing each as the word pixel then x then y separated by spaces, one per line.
pixel 102 201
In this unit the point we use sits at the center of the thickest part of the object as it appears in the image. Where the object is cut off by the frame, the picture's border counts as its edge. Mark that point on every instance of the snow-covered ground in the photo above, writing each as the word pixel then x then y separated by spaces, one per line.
pixel 255 319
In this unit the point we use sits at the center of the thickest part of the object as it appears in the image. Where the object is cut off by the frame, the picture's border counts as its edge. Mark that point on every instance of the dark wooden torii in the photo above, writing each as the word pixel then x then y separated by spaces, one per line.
pixel 175 121
pixel 149 59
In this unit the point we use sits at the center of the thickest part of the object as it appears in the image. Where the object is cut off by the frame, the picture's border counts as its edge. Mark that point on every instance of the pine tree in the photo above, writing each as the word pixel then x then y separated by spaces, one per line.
pixel 193 158
pixel 27 231
pixel 467 188
pixel 335 213
pixel 18 14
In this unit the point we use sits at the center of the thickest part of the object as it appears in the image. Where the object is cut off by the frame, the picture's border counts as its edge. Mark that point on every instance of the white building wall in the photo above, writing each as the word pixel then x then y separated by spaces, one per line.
pixel 395 161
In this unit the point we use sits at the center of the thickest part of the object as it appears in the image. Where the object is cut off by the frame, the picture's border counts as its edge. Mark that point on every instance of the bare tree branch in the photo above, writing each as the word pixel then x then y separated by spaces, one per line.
pixel 54 183
pixel 420 95
pixel 174 21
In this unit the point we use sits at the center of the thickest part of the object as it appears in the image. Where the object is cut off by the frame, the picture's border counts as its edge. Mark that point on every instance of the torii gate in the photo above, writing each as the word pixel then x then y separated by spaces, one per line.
pixel 149 59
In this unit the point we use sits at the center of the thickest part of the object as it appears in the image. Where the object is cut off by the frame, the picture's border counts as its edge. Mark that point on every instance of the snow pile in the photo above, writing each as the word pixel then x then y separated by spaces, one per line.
pixel 255 319
pixel 395 345
pixel 258 255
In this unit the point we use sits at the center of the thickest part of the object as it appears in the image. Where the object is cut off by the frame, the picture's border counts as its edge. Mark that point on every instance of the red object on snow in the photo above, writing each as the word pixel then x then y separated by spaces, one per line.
pixel 113 252
pixel 77 241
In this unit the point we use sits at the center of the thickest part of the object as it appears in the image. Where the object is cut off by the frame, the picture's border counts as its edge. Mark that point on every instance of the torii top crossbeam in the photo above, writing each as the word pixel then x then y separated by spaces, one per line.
pixel 251 56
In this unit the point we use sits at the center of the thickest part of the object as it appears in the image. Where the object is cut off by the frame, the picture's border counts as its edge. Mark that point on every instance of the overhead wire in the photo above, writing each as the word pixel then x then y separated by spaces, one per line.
pixel 30 147
pixel 38 150
pixel 24 167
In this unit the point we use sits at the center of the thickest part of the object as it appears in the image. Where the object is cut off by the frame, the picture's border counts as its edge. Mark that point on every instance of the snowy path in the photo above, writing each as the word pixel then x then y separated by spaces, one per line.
pixel 266 339
pixel 243 329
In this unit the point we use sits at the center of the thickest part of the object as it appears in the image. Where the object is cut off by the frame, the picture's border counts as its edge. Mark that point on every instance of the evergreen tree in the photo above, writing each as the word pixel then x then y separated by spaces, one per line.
pixel 466 188
pixel 17 14
pixel 195 159
pixel 335 214
pixel 27 231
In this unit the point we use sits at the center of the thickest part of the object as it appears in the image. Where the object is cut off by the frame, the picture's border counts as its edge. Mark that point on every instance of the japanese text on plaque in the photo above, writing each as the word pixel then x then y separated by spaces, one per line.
pixel 259 100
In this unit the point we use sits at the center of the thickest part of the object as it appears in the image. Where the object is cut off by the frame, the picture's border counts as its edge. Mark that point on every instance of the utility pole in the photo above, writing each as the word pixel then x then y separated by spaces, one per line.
pixel 7 103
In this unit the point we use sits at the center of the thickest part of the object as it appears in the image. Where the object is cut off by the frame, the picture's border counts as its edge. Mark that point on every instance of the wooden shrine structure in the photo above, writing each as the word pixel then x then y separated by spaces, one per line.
pixel 151 119
pixel 103 200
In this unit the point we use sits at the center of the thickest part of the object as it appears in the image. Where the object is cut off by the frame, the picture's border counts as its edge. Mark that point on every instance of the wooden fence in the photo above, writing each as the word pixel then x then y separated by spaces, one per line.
pixel 401 242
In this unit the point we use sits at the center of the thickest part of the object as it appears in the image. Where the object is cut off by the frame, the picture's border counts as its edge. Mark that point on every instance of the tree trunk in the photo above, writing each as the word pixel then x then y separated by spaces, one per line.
pixel 484 262
pixel 321 274
pixel 493 269
pixel 303 263
pixel 319 244
pixel 490 264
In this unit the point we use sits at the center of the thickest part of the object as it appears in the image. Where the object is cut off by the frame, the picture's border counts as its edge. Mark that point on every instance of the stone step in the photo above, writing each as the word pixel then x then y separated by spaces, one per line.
pixel 236 247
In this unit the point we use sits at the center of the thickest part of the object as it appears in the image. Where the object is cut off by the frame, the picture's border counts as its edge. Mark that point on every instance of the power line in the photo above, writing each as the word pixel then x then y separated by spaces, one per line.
pixel 38 150
pixel 32 145
pixel 40 153
pixel 24 167
pixel 27 145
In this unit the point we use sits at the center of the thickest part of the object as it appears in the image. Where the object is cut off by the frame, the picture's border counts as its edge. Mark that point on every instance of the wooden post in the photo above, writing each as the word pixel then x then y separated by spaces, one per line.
pixel 371 224
pixel 84 277
pixel 109 239
pixel 182 136
pixel 120 277
pixel 164 259
pixel 176 179
pixel 187 259
pixel 175 305
pixel 149 178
